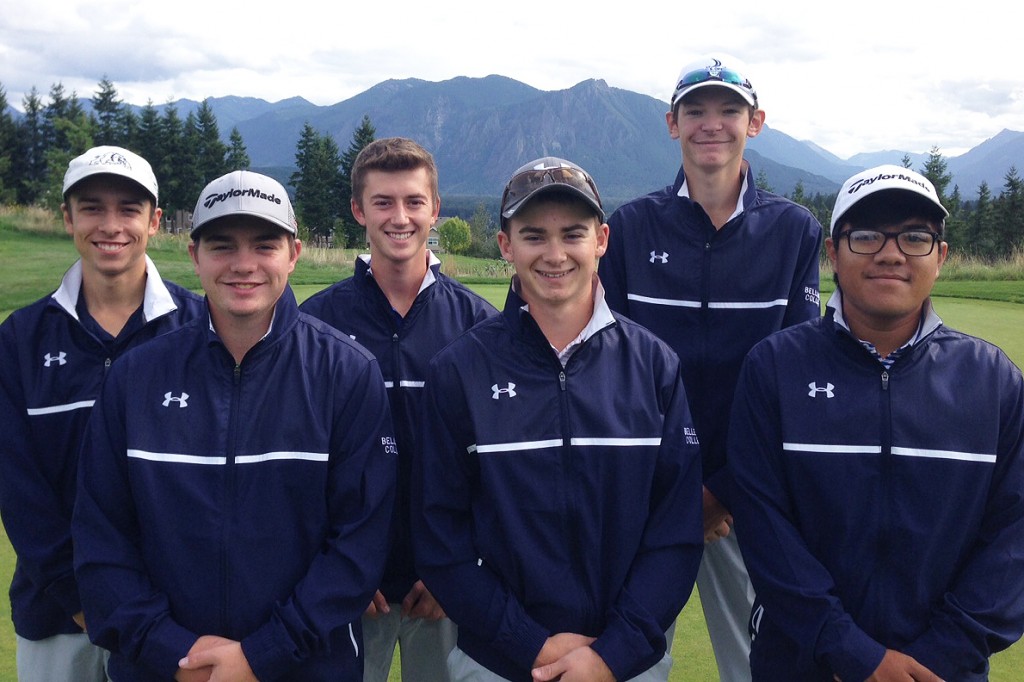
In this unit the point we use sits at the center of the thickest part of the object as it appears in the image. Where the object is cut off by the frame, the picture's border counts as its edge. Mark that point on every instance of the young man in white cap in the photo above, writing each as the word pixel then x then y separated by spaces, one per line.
pixel 879 460
pixel 556 495
pixel 403 309
pixel 237 474
pixel 57 352
pixel 712 264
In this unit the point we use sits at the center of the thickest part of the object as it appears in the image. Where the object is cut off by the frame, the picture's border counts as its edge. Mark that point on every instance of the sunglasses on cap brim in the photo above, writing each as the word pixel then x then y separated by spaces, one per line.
pixel 523 184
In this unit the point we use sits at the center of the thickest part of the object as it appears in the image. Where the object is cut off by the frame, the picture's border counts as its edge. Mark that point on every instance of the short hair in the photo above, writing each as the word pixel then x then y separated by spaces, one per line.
pixel 890 206
pixel 392 154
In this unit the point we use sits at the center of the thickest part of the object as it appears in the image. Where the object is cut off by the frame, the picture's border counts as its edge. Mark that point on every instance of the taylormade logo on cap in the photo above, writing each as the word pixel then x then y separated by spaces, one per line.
pixel 901 177
pixel 877 179
pixel 250 192
pixel 245 193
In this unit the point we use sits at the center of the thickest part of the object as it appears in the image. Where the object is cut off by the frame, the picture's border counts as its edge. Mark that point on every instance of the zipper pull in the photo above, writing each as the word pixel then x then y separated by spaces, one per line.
pixel 561 380
pixel 885 381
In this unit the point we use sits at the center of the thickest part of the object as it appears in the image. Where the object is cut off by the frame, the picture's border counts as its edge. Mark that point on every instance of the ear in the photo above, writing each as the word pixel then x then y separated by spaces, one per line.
pixel 154 223
pixel 357 212
pixel 756 123
pixel 830 250
pixel 505 245
pixel 943 254
pixel 602 239
pixel 193 253
pixel 69 225
pixel 673 124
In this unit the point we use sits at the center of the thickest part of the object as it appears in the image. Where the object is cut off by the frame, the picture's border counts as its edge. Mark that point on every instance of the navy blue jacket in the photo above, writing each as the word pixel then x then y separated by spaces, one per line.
pixel 552 500
pixel 442 311
pixel 880 508
pixel 712 294
pixel 51 373
pixel 246 501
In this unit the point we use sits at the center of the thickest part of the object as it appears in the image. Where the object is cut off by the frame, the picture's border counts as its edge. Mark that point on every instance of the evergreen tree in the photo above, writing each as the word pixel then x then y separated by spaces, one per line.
pixel 1010 215
pixel 935 169
pixel 238 156
pixel 147 141
pixel 57 109
pixel 981 240
pixel 365 134
pixel 168 164
pixel 191 174
pixel 906 162
pixel 210 151
pixel 107 110
pixel 762 181
pixel 8 147
pixel 482 229
pixel 317 183
pixel 30 160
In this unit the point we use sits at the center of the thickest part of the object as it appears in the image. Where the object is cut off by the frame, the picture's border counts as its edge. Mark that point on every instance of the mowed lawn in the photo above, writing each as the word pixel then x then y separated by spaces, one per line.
pixel 998 322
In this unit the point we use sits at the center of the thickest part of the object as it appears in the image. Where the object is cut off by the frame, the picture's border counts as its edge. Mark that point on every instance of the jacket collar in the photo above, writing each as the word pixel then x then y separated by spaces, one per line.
pixel 930 320
pixel 156 300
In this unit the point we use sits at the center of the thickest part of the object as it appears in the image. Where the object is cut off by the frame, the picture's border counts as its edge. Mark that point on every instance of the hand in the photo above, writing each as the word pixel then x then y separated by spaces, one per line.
pixel 579 665
pixel 897 667
pixel 557 646
pixel 223 658
pixel 79 619
pixel 420 603
pixel 378 606
pixel 717 519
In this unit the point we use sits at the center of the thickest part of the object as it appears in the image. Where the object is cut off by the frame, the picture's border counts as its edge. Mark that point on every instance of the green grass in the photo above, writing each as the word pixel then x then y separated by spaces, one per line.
pixel 35 252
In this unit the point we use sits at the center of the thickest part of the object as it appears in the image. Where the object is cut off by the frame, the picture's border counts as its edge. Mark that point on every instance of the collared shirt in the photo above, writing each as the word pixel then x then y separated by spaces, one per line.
pixel 428 278
pixel 684 191
pixel 927 324
pixel 599 319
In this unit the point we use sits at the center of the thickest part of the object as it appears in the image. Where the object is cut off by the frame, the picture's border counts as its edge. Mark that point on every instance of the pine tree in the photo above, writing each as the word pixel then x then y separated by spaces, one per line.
pixel 211 151
pixel 1010 215
pixel 936 170
pixel 363 135
pixel 317 182
pixel 107 110
pixel 238 156
pixel 8 147
pixel 30 159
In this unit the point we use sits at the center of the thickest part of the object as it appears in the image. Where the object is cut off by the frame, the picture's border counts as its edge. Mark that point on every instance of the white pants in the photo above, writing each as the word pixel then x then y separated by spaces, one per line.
pixel 62 658
pixel 462 668
pixel 727 596
pixel 423 645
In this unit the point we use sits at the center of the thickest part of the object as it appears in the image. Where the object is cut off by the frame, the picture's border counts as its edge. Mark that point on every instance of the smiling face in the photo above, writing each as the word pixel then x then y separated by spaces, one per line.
pixel 554 243
pixel 886 290
pixel 111 220
pixel 243 264
pixel 712 125
pixel 397 208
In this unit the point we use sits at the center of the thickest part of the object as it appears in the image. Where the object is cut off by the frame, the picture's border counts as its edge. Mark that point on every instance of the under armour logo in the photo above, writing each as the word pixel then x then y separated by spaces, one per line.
pixel 663 256
pixel 827 390
pixel 509 390
pixel 59 358
pixel 169 398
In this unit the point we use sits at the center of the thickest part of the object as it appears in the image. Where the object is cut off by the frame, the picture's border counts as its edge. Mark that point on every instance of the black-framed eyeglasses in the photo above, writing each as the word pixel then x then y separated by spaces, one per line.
pixel 913 243
pixel 523 184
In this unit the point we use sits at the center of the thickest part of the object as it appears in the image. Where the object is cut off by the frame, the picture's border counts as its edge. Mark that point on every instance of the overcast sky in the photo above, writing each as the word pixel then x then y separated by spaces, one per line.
pixel 853 76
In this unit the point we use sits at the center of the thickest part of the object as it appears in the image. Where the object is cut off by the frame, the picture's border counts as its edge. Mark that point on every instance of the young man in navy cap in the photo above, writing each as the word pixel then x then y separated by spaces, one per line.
pixel 712 265
pixel 403 309
pixel 57 352
pixel 237 474
pixel 879 459
pixel 556 494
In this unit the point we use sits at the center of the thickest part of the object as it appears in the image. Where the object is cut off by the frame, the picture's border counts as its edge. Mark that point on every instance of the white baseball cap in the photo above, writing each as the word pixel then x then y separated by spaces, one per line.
pixel 719 70
pixel 243 192
pixel 880 178
pixel 111 161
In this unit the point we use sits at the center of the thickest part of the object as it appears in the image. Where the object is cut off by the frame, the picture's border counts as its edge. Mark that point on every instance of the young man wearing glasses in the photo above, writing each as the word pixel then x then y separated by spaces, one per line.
pixel 879 460
pixel 712 264
pixel 556 495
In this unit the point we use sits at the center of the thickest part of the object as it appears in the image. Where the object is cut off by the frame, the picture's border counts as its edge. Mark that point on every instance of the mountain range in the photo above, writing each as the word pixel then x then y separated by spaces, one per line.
pixel 480 129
